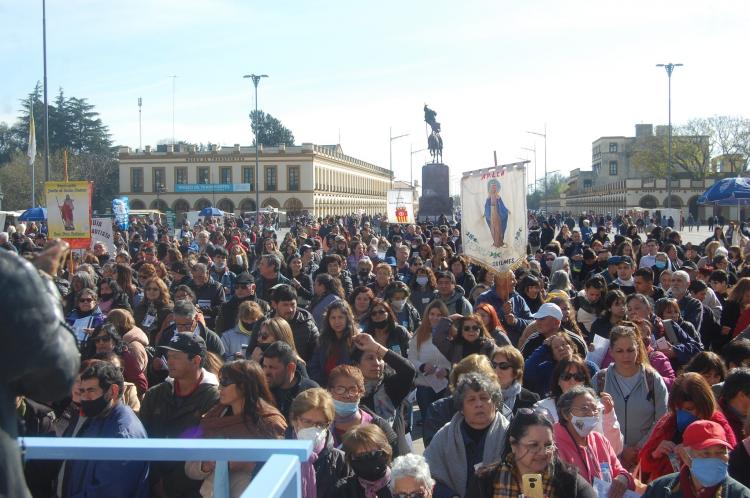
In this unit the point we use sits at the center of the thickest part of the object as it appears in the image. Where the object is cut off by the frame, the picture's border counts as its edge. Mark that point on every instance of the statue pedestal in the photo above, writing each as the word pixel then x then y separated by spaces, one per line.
pixel 435 200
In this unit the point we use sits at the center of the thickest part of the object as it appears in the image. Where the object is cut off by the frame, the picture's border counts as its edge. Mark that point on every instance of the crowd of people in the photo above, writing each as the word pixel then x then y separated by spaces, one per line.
pixel 615 358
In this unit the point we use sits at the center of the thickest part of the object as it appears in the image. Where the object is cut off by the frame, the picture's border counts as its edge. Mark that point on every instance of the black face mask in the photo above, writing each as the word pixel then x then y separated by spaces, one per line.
pixel 263 347
pixel 370 466
pixel 93 407
pixel 105 297
pixel 379 324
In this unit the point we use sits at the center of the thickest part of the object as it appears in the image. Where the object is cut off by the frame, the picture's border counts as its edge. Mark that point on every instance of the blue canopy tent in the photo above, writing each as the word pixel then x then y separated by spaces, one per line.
pixel 211 211
pixel 728 192
pixel 34 214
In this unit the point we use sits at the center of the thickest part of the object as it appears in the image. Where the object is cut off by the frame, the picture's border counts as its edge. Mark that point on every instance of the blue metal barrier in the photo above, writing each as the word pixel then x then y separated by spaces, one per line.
pixel 280 476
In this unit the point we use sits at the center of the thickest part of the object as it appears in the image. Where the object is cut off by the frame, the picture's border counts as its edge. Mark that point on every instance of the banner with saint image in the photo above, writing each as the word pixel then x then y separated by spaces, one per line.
pixel 69 212
pixel 493 216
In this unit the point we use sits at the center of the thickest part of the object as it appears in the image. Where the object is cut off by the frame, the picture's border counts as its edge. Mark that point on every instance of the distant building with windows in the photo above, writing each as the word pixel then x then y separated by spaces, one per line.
pixel 318 179
pixel 616 183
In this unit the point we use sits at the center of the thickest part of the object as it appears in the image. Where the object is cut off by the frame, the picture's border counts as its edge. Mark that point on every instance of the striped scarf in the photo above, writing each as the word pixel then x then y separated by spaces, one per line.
pixel 507 482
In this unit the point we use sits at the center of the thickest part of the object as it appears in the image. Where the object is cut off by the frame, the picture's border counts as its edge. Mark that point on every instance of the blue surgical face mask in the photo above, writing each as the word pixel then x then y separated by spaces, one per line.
pixel 660 265
pixel 684 418
pixel 344 408
pixel 709 471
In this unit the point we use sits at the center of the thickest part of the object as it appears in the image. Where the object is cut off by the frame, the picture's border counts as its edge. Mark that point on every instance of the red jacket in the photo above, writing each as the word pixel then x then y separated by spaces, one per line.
pixel 666 430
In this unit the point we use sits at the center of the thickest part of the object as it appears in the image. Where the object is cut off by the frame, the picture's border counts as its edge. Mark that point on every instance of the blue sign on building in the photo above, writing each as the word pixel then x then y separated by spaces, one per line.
pixel 211 187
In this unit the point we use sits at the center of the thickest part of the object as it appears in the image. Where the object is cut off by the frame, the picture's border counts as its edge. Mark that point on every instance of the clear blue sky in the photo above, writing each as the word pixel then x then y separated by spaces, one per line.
pixel 491 69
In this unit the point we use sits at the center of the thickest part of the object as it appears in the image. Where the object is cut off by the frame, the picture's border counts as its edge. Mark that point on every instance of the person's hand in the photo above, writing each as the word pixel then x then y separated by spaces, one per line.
pixel 88 330
pixel 207 467
pixel 618 487
pixel 455 316
pixel 629 457
pixel 441 373
pixel 607 401
pixel 682 454
pixel 510 319
pixel 367 343
pixel 664 448
pixel 726 330
pixel 429 369
pixel 508 308
pixel 256 355
pixel 50 259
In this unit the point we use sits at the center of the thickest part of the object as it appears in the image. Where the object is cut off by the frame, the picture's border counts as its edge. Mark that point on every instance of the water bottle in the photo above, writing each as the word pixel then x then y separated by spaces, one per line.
pixel 606 472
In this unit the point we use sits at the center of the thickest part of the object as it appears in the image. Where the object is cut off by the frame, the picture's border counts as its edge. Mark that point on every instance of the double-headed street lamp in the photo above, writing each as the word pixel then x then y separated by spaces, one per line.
pixel 669 67
pixel 543 135
pixel 390 150
pixel 256 79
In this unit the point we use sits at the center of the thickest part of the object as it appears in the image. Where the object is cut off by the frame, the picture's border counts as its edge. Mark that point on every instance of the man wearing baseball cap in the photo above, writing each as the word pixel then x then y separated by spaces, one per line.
pixel 705 475
pixel 548 320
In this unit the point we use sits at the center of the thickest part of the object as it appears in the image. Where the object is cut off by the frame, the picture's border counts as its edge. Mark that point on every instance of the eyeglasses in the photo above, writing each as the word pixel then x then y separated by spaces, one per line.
pixel 503 365
pixel 102 338
pixel 378 312
pixel 471 328
pixel 86 300
pixel 312 423
pixel 345 391
pixel 413 494
pixel 578 377
pixel 226 382
pixel 535 448
pixel 367 456
pixel 586 411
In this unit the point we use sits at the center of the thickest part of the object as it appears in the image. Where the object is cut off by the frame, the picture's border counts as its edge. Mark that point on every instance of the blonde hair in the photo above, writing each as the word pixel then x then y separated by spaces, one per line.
pixel 478 363
pixel 122 320
pixel 280 330
pixel 365 436
pixel 250 311
pixel 311 399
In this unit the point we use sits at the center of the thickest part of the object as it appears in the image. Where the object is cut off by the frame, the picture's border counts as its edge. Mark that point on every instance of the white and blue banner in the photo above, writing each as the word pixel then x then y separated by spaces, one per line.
pixel 121 210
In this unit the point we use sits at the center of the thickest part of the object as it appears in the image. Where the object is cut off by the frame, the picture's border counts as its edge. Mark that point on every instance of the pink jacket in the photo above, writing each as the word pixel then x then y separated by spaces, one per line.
pixel 597 452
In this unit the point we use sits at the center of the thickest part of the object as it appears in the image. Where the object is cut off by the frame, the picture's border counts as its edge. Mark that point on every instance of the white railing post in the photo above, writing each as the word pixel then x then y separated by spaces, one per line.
pixel 221 479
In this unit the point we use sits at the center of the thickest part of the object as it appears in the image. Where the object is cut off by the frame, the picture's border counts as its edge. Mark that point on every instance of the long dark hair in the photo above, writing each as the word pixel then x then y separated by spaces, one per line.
pixel 328 336
pixel 388 311
pixel 331 284
pixel 250 381
pixel 110 330
pixel 561 367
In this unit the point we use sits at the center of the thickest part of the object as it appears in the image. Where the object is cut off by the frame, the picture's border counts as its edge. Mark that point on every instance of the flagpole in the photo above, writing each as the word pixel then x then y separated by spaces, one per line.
pixel 31 153
pixel 46 108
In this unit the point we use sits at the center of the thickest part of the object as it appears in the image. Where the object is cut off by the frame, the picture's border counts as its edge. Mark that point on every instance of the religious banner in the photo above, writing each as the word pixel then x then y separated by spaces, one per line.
pixel 69 212
pixel 493 223
pixel 400 206
pixel 121 210
pixel 101 231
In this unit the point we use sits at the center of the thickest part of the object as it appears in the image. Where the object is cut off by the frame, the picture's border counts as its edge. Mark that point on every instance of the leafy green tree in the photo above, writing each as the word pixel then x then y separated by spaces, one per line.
pixel 269 131
pixel 691 155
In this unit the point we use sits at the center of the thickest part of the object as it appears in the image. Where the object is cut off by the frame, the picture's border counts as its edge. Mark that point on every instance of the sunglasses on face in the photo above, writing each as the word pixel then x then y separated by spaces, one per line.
pixel 470 328
pixel 578 377
pixel 368 456
pixel 503 365
pixel 413 494
pixel 226 382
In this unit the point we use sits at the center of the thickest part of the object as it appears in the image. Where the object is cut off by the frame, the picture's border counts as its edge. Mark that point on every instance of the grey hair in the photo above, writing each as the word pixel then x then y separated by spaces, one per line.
pixel 184 309
pixel 559 281
pixel 559 263
pixel 473 381
pixel 273 260
pixel 86 278
pixel 565 402
pixel 411 465
pixel 682 274
pixel 200 268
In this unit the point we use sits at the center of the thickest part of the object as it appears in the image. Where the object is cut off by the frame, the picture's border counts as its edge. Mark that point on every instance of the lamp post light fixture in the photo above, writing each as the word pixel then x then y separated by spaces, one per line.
pixel 669 67
pixel 256 79
pixel 543 135
pixel 411 162
pixel 390 150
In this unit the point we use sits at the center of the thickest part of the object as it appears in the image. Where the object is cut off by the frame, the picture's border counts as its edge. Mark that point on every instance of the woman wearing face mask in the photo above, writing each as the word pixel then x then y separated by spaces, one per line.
pixel 347 386
pixel 423 289
pixel 369 457
pixel 705 474
pixel 460 269
pixel 111 296
pixel 579 444
pixel 245 411
pixel 691 399
pixel 311 414
pixel 530 449
pixel 364 276
pixel 574 372
pixel 397 295
pixel 383 327
pixel 459 336
pixel 237 339
pixel 327 291
pixel 530 289
pixel 385 391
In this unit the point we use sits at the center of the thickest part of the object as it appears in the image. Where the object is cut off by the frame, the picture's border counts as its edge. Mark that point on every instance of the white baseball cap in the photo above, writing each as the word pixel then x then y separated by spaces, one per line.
pixel 548 309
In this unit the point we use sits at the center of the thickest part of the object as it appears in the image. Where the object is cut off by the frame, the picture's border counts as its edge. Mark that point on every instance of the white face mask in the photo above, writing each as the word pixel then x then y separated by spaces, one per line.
pixel 220 266
pixel 584 425
pixel 421 280
pixel 314 434
pixel 398 304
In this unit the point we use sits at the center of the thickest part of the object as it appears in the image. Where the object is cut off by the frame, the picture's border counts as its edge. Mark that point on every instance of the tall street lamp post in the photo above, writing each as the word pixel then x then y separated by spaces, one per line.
pixel 669 67
pixel 390 150
pixel 544 135
pixel 256 79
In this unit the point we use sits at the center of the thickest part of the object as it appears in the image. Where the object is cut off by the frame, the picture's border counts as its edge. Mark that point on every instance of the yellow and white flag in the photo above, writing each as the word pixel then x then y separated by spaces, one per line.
pixel 31 152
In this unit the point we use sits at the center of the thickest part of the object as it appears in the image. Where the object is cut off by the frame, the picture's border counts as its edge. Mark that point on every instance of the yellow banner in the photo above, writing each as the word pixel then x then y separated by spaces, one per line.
pixel 68 209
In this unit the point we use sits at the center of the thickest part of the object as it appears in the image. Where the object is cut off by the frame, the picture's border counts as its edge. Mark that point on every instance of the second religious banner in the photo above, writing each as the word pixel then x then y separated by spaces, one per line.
pixel 69 212
pixel 493 216
pixel 400 206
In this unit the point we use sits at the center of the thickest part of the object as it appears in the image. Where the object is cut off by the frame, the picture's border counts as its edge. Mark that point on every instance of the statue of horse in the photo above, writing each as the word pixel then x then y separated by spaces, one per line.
pixel 435 144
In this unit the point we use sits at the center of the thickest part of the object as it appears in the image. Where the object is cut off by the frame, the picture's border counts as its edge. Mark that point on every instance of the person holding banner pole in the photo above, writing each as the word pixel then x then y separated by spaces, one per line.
pixel 509 305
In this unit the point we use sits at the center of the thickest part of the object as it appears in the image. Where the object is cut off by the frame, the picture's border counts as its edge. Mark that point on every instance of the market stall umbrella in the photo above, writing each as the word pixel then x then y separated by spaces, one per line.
pixel 727 192
pixel 34 214
pixel 211 211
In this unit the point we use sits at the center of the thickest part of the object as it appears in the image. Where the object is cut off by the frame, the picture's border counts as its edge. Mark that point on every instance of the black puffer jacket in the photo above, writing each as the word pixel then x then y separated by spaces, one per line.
pixel 330 467
pixel 304 330
pixel 40 363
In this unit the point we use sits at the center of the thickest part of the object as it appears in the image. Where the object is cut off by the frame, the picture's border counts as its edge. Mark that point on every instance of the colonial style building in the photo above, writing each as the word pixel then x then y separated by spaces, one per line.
pixel 319 179
pixel 616 183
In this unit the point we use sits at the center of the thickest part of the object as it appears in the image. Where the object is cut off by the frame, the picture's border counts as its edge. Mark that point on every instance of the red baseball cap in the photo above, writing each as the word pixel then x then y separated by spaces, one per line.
pixel 704 433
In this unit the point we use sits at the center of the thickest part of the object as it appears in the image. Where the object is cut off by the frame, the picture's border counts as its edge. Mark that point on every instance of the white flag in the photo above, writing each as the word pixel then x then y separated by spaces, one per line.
pixel 31 152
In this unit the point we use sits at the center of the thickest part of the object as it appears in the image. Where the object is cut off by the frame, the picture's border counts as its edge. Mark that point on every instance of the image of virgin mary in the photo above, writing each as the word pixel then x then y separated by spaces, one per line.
pixel 495 213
